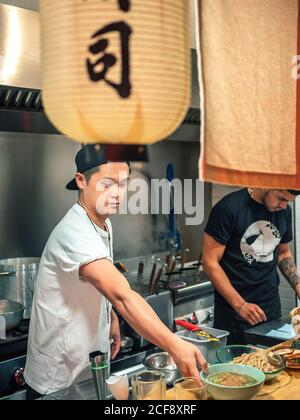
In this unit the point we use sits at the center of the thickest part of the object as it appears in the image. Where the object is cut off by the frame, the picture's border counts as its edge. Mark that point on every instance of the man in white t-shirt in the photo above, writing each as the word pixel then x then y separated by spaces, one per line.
pixel 77 284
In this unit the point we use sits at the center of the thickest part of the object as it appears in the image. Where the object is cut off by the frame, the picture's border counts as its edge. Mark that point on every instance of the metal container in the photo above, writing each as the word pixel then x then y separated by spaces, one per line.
pixel 12 312
pixel 127 345
pixel 99 364
pixel 17 281
pixel 163 363
pixel 208 348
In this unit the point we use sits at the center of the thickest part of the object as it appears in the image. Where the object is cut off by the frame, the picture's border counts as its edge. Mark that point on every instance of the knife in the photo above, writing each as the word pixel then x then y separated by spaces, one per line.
pixel 155 261
pixel 170 272
pixel 140 271
pixel 184 256
pixel 168 261
pixel 157 279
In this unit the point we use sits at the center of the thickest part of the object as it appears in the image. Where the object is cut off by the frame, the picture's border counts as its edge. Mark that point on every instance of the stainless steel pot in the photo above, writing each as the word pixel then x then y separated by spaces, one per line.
pixel 127 344
pixel 12 312
pixel 17 281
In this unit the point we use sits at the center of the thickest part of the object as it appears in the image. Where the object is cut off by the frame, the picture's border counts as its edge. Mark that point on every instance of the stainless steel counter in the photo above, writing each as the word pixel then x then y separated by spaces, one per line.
pixel 85 391
pixel 126 365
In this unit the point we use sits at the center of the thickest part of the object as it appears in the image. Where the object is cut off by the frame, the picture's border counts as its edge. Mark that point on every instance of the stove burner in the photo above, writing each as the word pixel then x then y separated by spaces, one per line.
pixel 13 334
pixel 15 343
pixel 21 330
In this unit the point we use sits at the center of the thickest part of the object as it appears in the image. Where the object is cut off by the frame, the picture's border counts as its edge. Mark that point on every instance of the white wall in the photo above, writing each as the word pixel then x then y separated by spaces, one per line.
pixel 219 191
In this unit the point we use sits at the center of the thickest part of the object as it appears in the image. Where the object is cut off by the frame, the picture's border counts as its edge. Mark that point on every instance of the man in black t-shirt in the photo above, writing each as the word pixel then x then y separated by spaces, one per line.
pixel 245 240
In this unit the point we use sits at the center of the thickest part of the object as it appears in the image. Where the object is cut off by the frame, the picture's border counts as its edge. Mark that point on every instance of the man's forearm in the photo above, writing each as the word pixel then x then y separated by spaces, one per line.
pixel 222 284
pixel 133 308
pixel 142 318
pixel 288 269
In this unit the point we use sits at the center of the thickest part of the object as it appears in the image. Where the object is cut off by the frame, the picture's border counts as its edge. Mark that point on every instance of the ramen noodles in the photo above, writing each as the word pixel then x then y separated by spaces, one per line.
pixel 231 379
pixel 258 360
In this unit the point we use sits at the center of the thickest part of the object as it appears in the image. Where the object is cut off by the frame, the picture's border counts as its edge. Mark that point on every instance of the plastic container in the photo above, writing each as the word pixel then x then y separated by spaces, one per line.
pixel 207 348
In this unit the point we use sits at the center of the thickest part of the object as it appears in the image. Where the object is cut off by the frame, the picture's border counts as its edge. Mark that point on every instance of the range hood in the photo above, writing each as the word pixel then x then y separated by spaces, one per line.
pixel 21 107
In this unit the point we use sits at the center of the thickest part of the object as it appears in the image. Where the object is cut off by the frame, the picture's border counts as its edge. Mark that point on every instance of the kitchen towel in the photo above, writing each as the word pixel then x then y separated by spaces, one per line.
pixel 250 92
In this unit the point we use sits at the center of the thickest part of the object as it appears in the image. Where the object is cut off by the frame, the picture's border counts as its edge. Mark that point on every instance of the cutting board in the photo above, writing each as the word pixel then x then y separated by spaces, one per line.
pixel 285 387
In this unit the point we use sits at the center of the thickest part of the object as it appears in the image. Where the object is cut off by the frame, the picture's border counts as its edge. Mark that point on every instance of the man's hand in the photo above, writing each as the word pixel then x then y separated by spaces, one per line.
pixel 252 313
pixel 188 359
pixel 115 335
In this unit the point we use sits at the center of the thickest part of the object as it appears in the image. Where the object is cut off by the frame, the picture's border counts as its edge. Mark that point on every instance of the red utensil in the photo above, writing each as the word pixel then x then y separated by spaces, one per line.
pixel 195 329
pixel 188 325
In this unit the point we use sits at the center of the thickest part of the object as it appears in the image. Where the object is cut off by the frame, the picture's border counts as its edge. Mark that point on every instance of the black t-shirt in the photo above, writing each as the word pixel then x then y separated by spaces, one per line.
pixel 252 235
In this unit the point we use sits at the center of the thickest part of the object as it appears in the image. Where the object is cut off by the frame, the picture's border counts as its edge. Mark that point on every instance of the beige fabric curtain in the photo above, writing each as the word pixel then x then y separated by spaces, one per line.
pixel 250 92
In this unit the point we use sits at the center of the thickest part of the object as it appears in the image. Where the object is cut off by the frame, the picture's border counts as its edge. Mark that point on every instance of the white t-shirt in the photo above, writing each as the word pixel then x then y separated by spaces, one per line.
pixel 70 318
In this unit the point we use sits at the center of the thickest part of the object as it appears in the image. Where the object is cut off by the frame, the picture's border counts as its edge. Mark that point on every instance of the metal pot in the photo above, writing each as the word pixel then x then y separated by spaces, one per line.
pixel 127 344
pixel 164 364
pixel 12 312
pixel 17 281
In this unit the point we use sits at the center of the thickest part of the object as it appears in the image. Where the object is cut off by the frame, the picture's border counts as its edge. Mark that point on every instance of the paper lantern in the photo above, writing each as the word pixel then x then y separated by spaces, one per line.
pixel 116 71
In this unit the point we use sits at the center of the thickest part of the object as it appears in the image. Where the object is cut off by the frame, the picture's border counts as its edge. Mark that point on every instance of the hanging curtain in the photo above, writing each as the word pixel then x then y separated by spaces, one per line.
pixel 251 92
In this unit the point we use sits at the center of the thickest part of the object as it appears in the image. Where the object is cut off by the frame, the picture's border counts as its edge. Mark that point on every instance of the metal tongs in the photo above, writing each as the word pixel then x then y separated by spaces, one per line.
pixel 275 359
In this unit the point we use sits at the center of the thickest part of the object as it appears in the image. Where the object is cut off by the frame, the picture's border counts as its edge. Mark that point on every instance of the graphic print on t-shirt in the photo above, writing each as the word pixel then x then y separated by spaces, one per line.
pixel 260 241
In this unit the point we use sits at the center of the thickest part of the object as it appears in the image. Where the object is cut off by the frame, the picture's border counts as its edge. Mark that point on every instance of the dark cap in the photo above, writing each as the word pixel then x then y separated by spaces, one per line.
pixel 294 192
pixel 93 155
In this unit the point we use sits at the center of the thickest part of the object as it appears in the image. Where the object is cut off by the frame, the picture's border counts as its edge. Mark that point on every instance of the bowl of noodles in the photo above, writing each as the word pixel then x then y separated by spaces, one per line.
pixel 228 381
pixel 268 363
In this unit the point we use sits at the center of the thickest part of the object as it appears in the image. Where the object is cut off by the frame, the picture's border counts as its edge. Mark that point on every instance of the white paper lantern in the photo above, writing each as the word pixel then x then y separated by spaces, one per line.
pixel 115 71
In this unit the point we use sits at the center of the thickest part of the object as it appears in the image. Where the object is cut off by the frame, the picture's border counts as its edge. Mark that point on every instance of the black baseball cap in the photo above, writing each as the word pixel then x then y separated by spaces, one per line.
pixel 294 192
pixel 93 155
